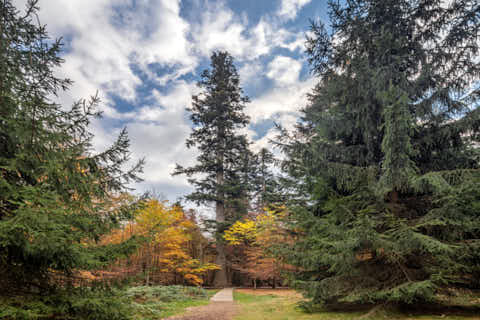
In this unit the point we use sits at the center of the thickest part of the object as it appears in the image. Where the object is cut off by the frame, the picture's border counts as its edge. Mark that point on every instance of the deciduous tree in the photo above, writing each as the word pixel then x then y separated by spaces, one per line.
pixel 257 237
pixel 165 256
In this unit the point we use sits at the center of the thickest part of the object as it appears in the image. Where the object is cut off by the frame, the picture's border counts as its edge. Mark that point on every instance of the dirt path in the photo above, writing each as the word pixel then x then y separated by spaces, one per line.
pixel 221 307
pixel 212 311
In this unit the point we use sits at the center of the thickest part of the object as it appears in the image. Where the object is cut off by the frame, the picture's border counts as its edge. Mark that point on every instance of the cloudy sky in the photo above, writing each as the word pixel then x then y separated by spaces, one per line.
pixel 145 56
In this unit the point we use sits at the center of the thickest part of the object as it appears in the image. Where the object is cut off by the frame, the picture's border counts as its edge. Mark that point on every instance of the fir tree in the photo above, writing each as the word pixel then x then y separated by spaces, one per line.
pixel 217 114
pixel 57 197
pixel 267 189
pixel 386 154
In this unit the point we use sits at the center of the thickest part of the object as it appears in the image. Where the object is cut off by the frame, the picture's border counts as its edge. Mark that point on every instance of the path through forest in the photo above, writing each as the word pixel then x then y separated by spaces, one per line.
pixel 221 307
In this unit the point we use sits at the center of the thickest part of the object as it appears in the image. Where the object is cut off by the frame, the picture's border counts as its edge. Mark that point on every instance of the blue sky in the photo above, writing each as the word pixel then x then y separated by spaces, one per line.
pixel 145 56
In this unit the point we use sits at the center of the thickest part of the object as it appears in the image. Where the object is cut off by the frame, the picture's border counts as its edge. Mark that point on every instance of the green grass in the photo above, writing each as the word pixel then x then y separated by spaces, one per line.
pixel 253 307
pixel 243 298
pixel 160 302
pixel 263 307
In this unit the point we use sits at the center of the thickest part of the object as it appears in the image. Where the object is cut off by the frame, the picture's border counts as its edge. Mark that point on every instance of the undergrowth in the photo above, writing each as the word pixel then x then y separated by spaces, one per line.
pixel 74 303
pixel 164 301
pixel 102 303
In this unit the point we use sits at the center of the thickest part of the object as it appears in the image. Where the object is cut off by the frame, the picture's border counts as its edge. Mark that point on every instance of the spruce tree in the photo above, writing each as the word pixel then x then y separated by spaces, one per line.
pixel 57 197
pixel 266 188
pixel 385 157
pixel 239 176
pixel 217 114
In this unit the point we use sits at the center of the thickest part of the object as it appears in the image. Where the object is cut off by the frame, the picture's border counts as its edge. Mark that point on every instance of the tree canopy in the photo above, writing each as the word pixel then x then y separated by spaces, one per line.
pixel 384 160
pixel 57 197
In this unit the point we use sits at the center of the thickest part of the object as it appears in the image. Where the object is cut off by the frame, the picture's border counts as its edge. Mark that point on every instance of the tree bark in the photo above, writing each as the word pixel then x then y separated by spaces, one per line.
pixel 220 279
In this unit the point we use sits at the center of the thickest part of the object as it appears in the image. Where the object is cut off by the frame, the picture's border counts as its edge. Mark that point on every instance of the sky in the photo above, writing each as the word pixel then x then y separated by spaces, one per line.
pixel 144 57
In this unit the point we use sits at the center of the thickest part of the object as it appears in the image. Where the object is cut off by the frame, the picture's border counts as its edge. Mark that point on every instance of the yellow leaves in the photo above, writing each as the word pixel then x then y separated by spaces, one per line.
pixel 256 237
pixel 154 218
pixel 251 231
pixel 241 231
pixel 169 233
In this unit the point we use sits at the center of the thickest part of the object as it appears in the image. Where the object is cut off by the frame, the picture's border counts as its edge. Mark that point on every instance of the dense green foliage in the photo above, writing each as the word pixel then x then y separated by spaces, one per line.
pixel 74 303
pixel 383 166
pixel 101 303
pixel 57 198
pixel 217 115
pixel 267 190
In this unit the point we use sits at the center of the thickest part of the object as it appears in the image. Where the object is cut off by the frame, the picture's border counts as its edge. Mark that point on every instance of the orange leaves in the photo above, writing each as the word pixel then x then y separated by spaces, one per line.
pixel 255 238
pixel 166 251
pixel 256 231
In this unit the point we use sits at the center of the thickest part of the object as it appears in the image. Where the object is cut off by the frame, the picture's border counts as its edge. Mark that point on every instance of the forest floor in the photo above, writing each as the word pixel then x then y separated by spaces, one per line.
pixel 212 311
pixel 263 304
pixel 221 307
pixel 282 304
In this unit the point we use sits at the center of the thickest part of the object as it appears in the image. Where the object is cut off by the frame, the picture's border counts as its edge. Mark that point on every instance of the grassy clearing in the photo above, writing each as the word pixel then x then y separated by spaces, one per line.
pixel 271 307
pixel 156 310
pixel 245 298
pixel 160 302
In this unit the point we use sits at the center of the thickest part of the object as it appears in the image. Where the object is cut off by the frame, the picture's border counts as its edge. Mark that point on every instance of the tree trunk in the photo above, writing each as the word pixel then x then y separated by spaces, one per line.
pixel 394 196
pixel 220 279
pixel 264 186
pixel 147 275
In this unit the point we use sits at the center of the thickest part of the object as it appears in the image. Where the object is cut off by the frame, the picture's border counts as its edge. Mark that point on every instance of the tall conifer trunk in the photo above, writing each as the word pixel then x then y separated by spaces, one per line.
pixel 220 279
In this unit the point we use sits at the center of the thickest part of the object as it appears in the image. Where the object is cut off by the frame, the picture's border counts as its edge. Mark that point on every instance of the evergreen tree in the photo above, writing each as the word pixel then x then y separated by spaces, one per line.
pixel 385 157
pixel 267 189
pixel 217 114
pixel 57 198
pixel 239 177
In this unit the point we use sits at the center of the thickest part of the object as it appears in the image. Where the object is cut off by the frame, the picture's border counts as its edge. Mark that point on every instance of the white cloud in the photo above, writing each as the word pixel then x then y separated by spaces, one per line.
pixel 284 70
pixel 251 72
pixel 159 132
pixel 104 44
pixel 220 28
pixel 289 8
pixel 280 100
pixel 109 40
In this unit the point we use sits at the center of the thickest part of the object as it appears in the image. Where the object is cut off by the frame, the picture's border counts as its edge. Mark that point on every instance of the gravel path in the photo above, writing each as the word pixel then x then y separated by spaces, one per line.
pixel 221 307
pixel 224 295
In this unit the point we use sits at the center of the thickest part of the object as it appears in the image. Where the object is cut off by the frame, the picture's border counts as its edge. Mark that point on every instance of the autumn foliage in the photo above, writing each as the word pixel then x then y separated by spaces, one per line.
pixel 168 255
pixel 253 239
